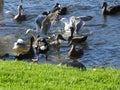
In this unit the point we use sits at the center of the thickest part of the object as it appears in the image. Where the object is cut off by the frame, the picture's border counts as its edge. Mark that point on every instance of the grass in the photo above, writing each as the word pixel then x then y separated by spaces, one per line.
pixel 18 75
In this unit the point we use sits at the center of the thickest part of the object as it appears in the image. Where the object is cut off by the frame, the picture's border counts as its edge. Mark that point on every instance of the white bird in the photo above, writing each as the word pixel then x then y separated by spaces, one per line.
pixel 74 22
pixel 68 23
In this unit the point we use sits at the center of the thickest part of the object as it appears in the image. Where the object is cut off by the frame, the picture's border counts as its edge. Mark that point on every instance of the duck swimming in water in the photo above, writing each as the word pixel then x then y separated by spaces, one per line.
pixel 110 10
pixel 75 53
pixel 20 17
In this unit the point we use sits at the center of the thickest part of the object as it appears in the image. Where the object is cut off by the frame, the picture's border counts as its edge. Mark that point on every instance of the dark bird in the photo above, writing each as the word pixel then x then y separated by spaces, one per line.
pixel 75 53
pixel 110 10
pixel 63 10
pixel 41 46
pixel 20 16
pixel 47 22
pixel 76 39
pixel 28 54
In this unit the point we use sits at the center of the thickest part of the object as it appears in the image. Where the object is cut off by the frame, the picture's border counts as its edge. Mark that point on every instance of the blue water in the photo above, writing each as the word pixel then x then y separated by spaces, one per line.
pixel 103 41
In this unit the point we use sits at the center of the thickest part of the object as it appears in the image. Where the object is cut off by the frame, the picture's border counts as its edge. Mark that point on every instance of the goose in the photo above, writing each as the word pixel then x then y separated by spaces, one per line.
pixel 63 10
pixel 20 46
pixel 20 17
pixel 46 23
pixel 40 19
pixel 110 10
pixel 41 47
pixel 76 39
pixel 28 54
pixel 75 53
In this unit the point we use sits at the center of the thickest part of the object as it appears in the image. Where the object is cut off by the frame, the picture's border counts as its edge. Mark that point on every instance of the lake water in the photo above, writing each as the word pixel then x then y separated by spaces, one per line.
pixel 103 43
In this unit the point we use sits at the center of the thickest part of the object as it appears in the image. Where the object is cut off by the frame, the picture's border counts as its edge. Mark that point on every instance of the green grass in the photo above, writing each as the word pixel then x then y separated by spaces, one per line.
pixel 18 75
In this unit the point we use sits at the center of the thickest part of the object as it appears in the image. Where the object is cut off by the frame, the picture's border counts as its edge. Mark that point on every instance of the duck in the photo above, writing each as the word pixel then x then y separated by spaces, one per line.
pixel 76 39
pixel 20 17
pixel 20 46
pixel 29 54
pixel 75 53
pixel 40 19
pixel 41 47
pixel 110 10
pixel 63 10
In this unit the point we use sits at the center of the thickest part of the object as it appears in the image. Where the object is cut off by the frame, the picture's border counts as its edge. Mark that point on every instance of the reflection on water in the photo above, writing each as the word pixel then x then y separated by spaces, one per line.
pixel 103 44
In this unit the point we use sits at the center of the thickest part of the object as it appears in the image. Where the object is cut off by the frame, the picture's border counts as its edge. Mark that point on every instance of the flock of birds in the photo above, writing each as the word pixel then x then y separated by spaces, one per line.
pixel 41 42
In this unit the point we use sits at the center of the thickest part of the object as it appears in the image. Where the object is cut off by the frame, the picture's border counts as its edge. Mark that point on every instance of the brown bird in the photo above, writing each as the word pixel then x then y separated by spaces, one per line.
pixel 75 53
pixel 110 10
pixel 20 17
pixel 46 23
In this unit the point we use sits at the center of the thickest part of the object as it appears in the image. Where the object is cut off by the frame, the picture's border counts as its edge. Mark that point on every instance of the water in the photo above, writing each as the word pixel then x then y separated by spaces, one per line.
pixel 103 42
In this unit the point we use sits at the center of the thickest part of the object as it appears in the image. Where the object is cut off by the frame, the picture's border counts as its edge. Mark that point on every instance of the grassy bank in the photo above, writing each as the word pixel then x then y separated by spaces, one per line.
pixel 18 75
